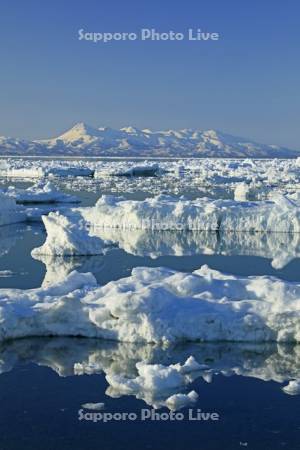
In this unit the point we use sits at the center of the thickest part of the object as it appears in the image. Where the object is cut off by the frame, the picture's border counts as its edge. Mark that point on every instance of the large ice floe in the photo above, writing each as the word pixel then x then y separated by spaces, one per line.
pixel 157 305
pixel 163 213
pixel 22 168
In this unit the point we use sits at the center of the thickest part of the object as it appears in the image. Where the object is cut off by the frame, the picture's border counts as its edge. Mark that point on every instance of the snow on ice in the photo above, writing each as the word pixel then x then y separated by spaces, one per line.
pixel 41 192
pixel 10 212
pixel 165 213
pixel 157 305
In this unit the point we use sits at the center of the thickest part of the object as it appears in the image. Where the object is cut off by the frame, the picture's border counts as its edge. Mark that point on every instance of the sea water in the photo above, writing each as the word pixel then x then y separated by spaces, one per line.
pixel 41 397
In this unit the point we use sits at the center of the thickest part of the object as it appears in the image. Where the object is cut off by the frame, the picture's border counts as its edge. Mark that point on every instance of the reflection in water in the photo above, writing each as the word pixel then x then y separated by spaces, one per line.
pixel 9 235
pixel 280 247
pixel 119 362
pixel 58 267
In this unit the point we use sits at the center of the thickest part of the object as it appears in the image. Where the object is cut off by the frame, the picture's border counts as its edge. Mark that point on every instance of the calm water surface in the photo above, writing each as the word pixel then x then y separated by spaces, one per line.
pixel 40 395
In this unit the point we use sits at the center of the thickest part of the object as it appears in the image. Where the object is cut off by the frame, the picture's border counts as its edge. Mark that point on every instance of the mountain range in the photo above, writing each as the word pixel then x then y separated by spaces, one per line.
pixel 83 140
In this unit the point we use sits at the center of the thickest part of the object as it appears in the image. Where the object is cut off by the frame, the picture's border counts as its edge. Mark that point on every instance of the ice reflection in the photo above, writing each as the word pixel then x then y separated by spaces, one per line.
pixel 281 248
pixel 58 267
pixel 121 364
pixel 9 235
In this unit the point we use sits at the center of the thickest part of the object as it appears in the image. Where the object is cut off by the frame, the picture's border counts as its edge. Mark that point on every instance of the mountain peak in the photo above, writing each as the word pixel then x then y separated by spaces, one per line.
pixel 211 133
pixel 82 127
pixel 130 130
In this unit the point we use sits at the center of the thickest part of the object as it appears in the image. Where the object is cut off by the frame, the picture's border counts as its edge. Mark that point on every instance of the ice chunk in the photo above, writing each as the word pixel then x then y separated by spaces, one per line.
pixel 178 401
pixel 293 388
pixel 159 213
pixel 141 171
pixel 93 406
pixel 41 192
pixel 157 305
pixel 9 211
pixel 168 213
pixel 23 172
pixel 67 238
pixel 241 191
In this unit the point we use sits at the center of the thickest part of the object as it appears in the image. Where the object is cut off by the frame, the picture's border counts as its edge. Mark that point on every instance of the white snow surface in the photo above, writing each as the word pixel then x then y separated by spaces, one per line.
pixel 292 388
pixel 196 176
pixel 241 192
pixel 10 212
pixel 157 305
pixel 41 192
pixel 164 212
pixel 68 238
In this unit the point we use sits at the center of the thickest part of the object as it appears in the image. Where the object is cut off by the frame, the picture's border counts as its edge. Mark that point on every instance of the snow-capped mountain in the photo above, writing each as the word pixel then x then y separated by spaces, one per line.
pixel 83 140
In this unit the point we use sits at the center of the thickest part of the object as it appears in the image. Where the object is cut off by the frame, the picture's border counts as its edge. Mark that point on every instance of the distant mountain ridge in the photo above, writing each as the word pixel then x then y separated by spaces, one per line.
pixel 84 140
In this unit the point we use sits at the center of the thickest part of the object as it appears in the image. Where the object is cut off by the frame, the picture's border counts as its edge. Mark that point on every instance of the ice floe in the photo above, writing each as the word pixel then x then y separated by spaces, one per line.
pixel 150 170
pixel 163 213
pixel 67 237
pixel 157 305
pixel 93 406
pixel 10 212
pixel 241 192
pixel 35 168
pixel 41 192
pixel 293 387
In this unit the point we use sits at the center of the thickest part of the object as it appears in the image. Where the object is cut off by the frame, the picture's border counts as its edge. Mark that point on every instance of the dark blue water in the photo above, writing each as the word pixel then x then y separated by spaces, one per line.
pixel 39 408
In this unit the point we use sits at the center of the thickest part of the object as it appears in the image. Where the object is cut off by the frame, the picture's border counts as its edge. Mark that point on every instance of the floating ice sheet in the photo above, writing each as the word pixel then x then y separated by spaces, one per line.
pixel 157 305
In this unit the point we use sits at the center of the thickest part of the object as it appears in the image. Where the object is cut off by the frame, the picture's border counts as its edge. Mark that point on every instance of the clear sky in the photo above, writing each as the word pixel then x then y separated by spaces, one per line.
pixel 246 84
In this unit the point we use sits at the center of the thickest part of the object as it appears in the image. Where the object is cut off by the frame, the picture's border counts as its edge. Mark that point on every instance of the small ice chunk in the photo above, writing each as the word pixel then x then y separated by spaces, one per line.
pixel 241 191
pixel 93 406
pixel 178 401
pixel 293 388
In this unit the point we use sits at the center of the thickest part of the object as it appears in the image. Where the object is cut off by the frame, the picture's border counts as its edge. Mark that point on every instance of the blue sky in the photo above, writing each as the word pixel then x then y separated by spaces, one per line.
pixel 246 84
